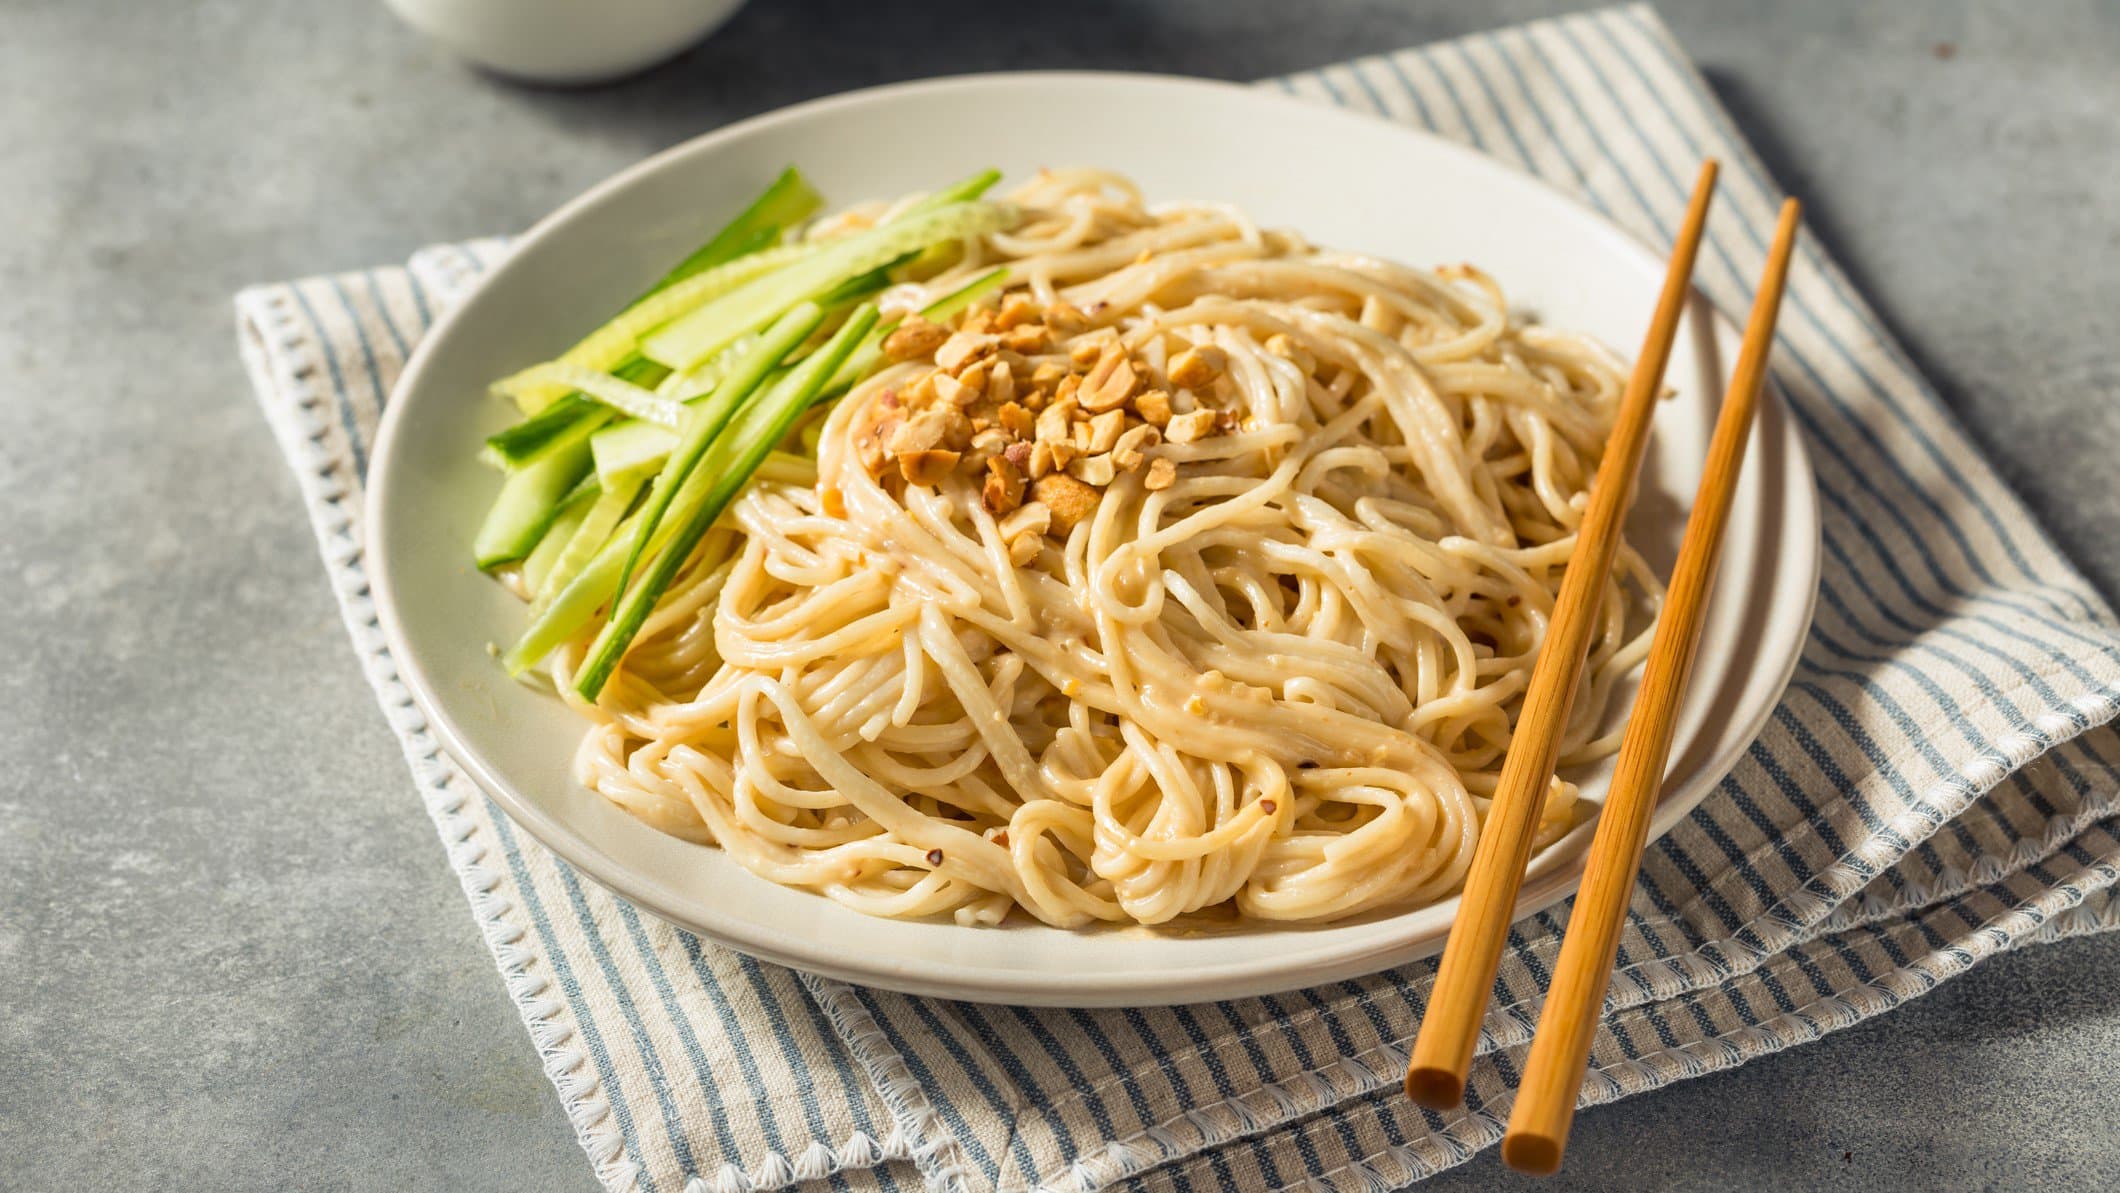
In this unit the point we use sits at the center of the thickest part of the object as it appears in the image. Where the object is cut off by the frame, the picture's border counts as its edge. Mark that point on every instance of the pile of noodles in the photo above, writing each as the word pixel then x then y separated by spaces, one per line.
pixel 1283 685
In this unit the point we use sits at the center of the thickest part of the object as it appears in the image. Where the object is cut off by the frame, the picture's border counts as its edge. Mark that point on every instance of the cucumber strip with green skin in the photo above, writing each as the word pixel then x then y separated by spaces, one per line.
pixel 632 445
pixel 742 250
pixel 519 445
pixel 960 191
pixel 726 468
pixel 531 496
pixel 571 607
pixel 577 599
pixel 611 346
pixel 740 253
pixel 621 395
pixel 709 328
pixel 514 446
pixel 585 489
pixel 595 530
pixel 865 358
pixel 538 564
pixel 874 281
pixel 642 447
pixel 705 419
pixel 693 384
pixel 787 201
pixel 619 339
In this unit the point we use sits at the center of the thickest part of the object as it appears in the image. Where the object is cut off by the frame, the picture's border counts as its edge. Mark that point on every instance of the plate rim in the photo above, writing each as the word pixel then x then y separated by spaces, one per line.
pixel 1291 968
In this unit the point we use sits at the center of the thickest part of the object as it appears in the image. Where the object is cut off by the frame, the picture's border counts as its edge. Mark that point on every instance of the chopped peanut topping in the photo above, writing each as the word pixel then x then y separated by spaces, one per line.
pixel 1060 450
pixel 1187 428
pixel 954 391
pixel 1016 310
pixel 1110 383
pixel 913 339
pixel 1064 318
pixel 1033 517
pixel 1070 500
pixel 919 433
pixel 1064 393
pixel 1040 435
pixel 1105 429
pixel 1094 470
pixel 1090 345
pixel 1154 408
pixel 1029 339
pixel 1127 452
pixel 962 349
pixel 1024 532
pixel 1197 368
pixel 1280 345
pixel 1003 490
pixel 927 467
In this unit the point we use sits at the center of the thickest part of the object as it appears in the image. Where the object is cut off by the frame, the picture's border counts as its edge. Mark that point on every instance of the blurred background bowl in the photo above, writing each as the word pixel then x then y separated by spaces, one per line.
pixel 566 41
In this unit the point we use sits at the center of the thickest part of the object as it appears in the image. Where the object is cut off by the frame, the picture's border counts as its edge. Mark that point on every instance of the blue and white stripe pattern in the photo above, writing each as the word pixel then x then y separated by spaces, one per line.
pixel 1939 784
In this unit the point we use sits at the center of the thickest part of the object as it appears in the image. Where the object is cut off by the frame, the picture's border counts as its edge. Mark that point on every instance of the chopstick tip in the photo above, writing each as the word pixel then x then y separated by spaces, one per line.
pixel 1437 1089
pixel 1536 1155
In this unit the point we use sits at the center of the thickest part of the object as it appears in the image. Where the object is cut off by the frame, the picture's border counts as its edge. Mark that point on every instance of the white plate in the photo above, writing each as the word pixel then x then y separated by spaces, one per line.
pixel 1344 180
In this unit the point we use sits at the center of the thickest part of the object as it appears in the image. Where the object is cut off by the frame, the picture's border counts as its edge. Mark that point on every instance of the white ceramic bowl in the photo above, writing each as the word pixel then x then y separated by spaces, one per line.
pixel 1345 180
pixel 566 41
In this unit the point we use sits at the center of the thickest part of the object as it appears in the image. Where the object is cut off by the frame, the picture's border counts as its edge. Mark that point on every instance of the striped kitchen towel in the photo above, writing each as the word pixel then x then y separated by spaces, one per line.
pixel 1938 784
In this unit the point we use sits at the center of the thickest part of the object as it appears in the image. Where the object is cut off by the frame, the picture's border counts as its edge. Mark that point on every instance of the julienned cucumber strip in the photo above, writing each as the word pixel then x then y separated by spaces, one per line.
pixel 611 346
pixel 853 290
pixel 634 448
pixel 538 564
pixel 742 250
pixel 512 447
pixel 587 488
pixel 623 396
pixel 633 445
pixel 595 530
pixel 531 496
pixel 724 470
pixel 788 201
pixel 864 359
pixel 706 418
pixel 960 191
pixel 519 445
pixel 575 603
pixel 704 275
pixel 643 447
pixel 548 448
pixel 709 328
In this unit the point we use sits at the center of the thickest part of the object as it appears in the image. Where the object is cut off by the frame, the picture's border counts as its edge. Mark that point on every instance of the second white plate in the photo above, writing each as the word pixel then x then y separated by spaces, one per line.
pixel 1344 180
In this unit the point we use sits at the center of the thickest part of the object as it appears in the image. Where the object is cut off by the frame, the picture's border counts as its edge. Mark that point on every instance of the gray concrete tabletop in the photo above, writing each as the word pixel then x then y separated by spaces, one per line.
pixel 231 954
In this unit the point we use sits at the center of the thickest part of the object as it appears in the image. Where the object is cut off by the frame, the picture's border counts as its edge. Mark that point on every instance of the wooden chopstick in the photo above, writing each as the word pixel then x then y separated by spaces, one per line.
pixel 1553 1073
pixel 1442 1052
